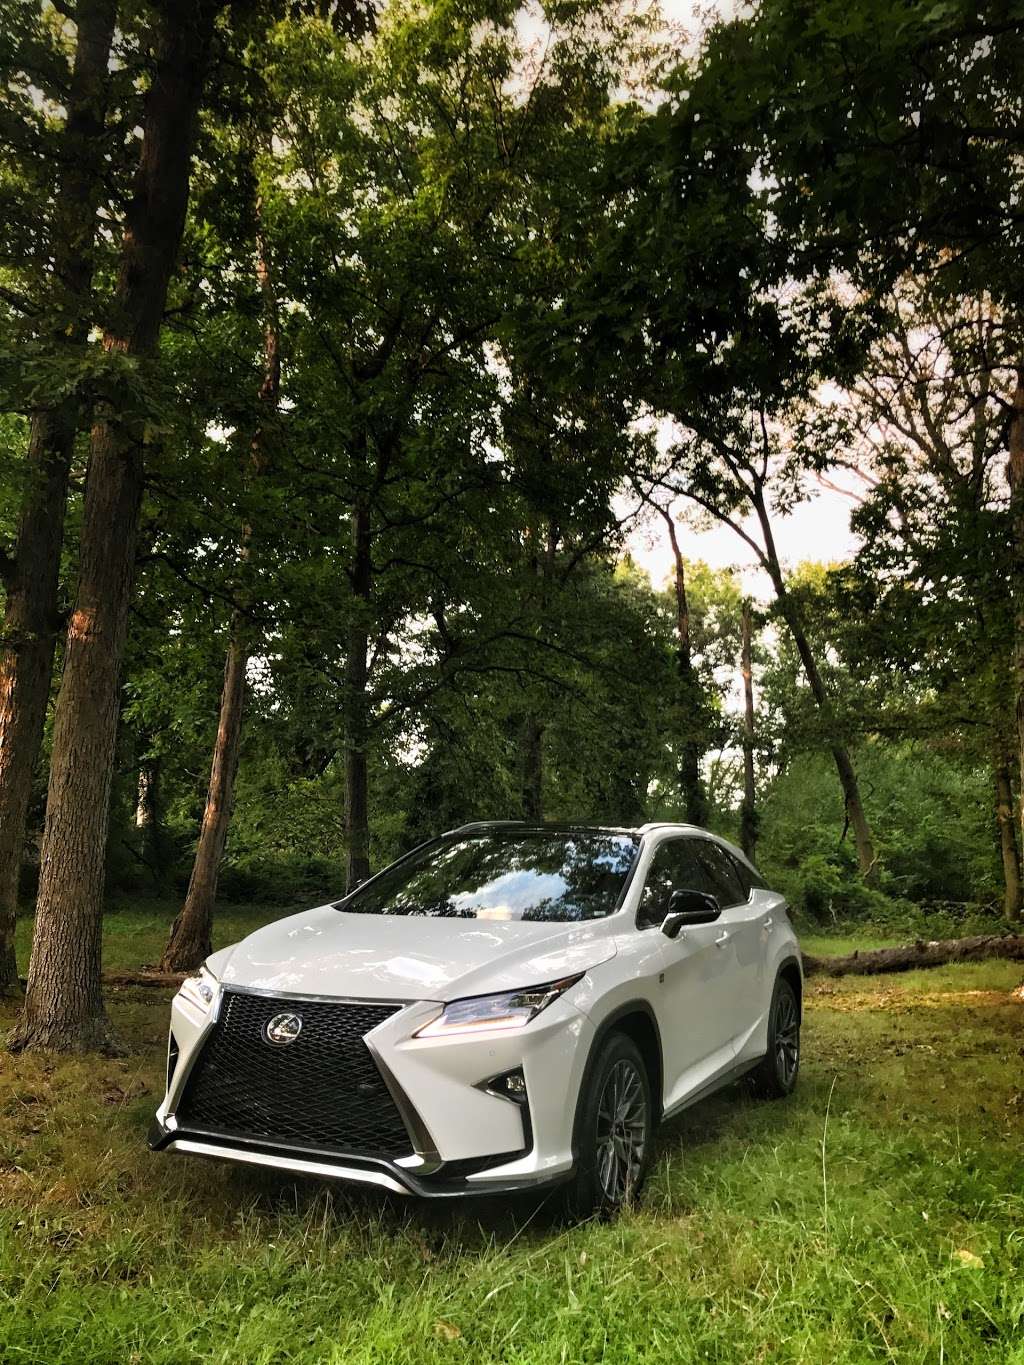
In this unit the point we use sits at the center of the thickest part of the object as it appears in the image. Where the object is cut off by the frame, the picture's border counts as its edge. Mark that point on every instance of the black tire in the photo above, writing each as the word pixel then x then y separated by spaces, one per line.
pixel 776 1074
pixel 613 1131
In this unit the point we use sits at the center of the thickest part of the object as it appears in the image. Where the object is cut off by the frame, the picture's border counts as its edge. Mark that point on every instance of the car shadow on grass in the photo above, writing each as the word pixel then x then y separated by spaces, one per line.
pixel 475 1222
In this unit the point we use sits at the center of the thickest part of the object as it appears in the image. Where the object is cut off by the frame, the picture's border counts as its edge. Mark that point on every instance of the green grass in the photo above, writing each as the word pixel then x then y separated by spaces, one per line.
pixel 134 934
pixel 877 1215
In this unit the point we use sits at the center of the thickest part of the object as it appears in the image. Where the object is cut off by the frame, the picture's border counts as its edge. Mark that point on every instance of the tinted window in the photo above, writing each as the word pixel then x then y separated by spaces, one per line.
pixel 745 876
pixel 673 868
pixel 507 875
pixel 721 873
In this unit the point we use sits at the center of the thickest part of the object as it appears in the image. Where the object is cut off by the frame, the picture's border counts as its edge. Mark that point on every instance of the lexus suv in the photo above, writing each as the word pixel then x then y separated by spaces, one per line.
pixel 507 1007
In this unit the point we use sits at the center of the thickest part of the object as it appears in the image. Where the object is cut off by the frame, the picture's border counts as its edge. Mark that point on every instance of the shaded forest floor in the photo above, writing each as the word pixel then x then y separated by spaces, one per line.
pixel 877 1215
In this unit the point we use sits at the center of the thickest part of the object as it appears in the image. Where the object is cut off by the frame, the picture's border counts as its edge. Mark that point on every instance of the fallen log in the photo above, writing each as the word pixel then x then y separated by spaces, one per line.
pixel 144 978
pixel 911 956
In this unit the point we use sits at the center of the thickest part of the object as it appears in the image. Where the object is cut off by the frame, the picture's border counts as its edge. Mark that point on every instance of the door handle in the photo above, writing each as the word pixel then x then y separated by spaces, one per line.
pixel 722 940
pixel 768 922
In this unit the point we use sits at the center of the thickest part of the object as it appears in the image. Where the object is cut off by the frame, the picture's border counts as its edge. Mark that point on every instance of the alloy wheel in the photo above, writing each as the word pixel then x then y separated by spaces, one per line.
pixel 622 1123
pixel 787 1037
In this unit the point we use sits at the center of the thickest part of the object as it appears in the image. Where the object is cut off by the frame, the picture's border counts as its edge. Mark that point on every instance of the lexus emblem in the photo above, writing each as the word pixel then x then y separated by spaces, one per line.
pixel 282 1029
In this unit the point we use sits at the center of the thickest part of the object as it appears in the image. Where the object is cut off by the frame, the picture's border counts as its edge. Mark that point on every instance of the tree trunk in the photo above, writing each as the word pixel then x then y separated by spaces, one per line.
pixel 145 802
pixel 840 754
pixel 915 955
pixel 748 810
pixel 1016 476
pixel 1007 839
pixel 357 805
pixel 543 549
pixel 532 752
pixel 855 813
pixel 695 801
pixel 149 821
pixel 64 1005
pixel 31 580
pixel 189 943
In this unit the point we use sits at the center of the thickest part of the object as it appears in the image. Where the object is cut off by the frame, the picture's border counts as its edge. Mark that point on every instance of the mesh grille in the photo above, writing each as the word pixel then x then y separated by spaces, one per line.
pixel 323 1090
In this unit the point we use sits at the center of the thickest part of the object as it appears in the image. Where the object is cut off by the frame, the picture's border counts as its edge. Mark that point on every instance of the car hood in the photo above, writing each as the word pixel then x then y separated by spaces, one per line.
pixel 399 957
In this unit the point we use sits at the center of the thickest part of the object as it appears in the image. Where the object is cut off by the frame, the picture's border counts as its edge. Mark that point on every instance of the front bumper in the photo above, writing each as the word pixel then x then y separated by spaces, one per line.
pixel 382 1174
pixel 464 1138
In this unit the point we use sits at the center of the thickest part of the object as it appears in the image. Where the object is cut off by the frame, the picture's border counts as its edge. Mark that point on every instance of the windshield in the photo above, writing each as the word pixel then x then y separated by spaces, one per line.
pixel 539 875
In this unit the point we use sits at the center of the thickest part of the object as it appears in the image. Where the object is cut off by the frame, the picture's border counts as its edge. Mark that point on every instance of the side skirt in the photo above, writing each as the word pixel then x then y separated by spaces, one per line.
pixel 728 1077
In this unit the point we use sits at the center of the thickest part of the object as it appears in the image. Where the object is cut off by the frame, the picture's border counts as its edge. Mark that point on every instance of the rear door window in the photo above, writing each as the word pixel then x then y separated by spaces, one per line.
pixel 721 873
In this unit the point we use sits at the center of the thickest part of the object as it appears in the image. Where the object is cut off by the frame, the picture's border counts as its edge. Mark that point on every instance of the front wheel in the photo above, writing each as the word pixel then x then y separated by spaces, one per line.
pixel 614 1123
pixel 775 1076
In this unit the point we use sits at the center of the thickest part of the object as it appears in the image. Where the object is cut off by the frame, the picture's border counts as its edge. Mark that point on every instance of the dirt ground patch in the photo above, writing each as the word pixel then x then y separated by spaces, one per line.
pixel 825 994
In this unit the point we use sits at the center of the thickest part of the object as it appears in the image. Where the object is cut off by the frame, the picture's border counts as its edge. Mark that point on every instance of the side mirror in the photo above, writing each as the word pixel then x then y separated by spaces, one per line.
pixel 689 907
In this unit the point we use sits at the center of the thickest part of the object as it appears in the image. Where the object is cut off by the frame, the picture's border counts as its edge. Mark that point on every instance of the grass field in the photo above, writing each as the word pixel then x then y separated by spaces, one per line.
pixel 877 1215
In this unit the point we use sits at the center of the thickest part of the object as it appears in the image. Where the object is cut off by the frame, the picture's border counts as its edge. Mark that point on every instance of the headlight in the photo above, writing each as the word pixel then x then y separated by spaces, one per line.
pixel 492 1013
pixel 200 990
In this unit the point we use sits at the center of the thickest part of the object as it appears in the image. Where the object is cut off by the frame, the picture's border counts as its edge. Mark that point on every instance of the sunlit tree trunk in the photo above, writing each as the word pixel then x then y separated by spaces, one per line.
pixel 64 1005
pixel 189 944
pixel 30 623
pixel 149 820
pixel 145 805
pixel 190 939
pixel 748 810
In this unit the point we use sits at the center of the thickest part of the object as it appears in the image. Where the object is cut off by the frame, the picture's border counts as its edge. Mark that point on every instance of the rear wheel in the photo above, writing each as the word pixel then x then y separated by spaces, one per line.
pixel 775 1076
pixel 614 1124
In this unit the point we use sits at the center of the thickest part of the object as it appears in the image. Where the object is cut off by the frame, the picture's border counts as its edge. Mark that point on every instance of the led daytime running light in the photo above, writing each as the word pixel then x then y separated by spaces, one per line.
pixel 497 1013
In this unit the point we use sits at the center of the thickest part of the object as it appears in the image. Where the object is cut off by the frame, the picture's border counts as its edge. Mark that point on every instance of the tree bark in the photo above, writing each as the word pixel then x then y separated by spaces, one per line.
pixel 64 1004
pixel 357 804
pixel 915 955
pixel 1007 839
pixel 748 810
pixel 190 943
pixel 1015 470
pixel 30 614
pixel 791 614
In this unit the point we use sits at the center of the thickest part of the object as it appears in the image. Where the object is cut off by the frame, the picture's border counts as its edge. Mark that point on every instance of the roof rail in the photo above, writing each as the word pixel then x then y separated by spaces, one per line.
pixel 666 824
pixel 484 824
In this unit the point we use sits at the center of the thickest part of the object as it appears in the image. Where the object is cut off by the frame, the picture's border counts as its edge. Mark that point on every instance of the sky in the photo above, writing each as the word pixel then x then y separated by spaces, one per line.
pixel 816 530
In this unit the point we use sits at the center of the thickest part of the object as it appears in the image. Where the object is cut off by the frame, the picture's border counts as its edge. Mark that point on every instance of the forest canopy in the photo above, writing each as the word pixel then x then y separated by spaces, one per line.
pixel 349 355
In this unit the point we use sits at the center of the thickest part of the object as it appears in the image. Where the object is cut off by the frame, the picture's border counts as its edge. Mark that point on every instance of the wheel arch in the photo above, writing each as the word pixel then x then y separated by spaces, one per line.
pixel 637 1020
pixel 790 971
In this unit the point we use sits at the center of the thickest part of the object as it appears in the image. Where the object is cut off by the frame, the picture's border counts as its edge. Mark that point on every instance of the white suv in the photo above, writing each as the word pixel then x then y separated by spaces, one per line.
pixel 506 1007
